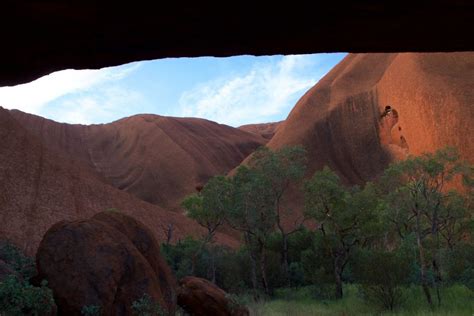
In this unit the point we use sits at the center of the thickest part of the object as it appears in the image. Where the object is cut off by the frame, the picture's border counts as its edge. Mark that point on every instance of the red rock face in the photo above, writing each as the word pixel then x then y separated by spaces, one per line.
pixel 41 185
pixel 110 260
pixel 343 121
pixel 200 297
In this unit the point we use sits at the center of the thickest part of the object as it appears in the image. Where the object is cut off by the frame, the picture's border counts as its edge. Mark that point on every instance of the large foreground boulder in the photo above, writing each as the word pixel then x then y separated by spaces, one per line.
pixel 199 297
pixel 110 260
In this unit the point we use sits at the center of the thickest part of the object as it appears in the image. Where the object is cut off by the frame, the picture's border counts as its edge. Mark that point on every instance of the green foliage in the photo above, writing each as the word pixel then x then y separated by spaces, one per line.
pixel 381 275
pixel 145 306
pixel 208 207
pixel 459 263
pixel 13 256
pixel 90 310
pixel 20 298
pixel 347 218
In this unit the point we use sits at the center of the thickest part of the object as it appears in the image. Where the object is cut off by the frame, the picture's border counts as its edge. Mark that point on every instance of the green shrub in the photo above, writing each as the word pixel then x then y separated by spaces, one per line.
pixel 13 256
pixel 20 298
pixel 145 306
pixel 90 310
pixel 381 276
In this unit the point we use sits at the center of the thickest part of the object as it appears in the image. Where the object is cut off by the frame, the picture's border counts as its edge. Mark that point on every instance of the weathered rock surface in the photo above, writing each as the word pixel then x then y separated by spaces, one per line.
pixel 157 159
pixel 343 121
pixel 46 175
pixel 199 297
pixel 266 130
pixel 110 260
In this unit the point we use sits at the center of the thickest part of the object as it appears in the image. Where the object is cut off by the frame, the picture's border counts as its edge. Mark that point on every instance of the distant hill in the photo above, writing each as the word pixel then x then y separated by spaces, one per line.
pixel 266 130
pixel 51 171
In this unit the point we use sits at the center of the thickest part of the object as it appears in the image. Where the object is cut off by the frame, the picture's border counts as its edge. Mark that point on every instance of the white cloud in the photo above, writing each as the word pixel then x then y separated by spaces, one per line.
pixel 266 90
pixel 104 105
pixel 34 96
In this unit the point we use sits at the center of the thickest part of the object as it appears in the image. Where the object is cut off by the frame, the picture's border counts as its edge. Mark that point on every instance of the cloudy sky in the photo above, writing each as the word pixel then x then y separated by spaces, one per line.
pixel 234 90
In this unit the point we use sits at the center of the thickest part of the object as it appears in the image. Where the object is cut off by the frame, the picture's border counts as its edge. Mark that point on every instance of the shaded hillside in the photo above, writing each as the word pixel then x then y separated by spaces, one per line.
pixel 374 108
pixel 266 130
pixel 158 159
pixel 39 187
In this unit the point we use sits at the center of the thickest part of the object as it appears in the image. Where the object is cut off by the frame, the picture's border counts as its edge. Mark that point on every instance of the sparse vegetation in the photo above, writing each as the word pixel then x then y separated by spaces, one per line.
pixel 145 306
pixel 17 295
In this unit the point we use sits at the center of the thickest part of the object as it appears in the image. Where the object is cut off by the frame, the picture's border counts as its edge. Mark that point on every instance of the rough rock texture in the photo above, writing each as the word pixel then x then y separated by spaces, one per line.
pixel 266 130
pixel 39 37
pixel 199 297
pixel 158 159
pixel 110 260
pixel 40 186
pixel 343 121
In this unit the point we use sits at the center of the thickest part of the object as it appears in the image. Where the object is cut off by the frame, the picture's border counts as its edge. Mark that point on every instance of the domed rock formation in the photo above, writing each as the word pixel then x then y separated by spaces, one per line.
pixel 199 297
pixel 157 159
pixel 372 109
pixel 46 174
pixel 110 261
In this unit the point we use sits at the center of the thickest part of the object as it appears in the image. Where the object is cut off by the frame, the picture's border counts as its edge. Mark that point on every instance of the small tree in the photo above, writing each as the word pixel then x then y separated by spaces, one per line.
pixel 208 209
pixel 419 202
pixel 346 217
pixel 281 169
pixel 252 213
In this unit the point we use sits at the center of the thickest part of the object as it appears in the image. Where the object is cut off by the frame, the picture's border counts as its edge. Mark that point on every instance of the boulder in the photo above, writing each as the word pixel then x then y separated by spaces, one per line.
pixel 200 297
pixel 110 260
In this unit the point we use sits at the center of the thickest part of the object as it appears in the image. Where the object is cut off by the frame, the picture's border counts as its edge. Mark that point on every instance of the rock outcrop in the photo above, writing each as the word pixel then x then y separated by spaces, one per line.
pixel 110 261
pixel 199 297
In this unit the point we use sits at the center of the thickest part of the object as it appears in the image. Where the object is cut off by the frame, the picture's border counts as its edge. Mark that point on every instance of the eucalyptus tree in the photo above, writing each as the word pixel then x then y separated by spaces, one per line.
pixel 421 200
pixel 280 169
pixel 346 217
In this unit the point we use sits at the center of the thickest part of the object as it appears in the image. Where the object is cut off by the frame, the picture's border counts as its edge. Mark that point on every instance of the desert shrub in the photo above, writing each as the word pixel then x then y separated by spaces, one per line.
pixel 90 310
pixel 145 306
pixel 381 276
pixel 13 256
pixel 20 298
pixel 459 263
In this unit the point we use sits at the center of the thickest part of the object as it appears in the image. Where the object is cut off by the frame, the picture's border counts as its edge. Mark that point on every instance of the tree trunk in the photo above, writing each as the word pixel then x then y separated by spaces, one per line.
pixel 213 267
pixel 435 261
pixel 253 267
pixel 424 281
pixel 284 258
pixel 338 267
pixel 263 268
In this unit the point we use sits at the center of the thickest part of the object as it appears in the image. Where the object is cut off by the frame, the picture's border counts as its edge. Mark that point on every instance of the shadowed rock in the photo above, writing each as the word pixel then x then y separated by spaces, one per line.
pixel 199 297
pixel 110 260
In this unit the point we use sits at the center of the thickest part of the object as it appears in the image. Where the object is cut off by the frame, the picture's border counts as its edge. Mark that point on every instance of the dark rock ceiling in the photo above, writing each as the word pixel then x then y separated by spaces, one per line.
pixel 39 37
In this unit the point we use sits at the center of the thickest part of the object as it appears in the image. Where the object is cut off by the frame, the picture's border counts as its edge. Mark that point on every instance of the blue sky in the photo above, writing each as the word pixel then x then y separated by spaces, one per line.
pixel 233 90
